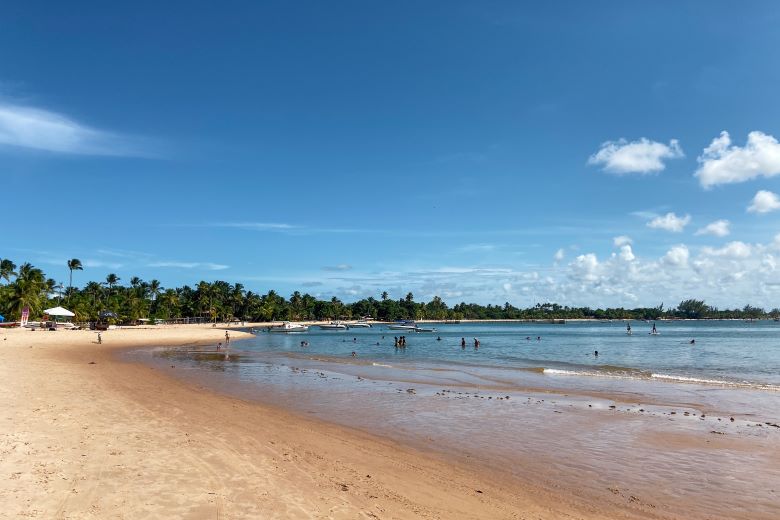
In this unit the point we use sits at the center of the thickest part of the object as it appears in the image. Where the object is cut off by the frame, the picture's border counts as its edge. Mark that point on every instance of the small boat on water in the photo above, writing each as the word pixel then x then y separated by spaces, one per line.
pixel 403 325
pixel 424 329
pixel 288 326
pixel 358 324
pixel 334 325
pixel 409 325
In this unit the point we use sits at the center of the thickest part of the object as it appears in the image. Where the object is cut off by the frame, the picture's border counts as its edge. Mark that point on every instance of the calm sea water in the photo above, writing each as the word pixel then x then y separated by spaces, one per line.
pixel 725 352
pixel 674 423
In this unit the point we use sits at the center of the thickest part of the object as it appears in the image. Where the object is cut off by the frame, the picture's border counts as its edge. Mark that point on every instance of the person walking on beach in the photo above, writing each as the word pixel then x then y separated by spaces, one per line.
pixel 100 339
pixel 227 338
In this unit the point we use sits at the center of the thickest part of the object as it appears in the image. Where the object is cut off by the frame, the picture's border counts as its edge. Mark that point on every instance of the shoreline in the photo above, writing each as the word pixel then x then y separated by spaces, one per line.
pixel 114 438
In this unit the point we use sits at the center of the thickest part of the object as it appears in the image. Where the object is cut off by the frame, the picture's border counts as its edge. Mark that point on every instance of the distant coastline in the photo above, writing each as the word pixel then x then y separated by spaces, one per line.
pixel 28 291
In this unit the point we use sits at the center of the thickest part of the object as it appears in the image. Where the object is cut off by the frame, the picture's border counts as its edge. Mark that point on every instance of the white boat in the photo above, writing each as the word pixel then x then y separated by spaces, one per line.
pixel 334 325
pixel 403 325
pixel 424 329
pixel 358 325
pixel 289 327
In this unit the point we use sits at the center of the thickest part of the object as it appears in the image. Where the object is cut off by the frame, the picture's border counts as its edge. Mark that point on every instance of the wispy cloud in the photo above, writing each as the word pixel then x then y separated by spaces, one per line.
pixel 190 265
pixel 257 226
pixel 339 267
pixel 293 229
pixel 478 248
pixel 38 129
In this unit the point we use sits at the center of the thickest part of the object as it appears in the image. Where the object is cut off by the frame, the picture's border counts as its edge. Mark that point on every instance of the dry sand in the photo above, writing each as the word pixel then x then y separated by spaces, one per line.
pixel 85 435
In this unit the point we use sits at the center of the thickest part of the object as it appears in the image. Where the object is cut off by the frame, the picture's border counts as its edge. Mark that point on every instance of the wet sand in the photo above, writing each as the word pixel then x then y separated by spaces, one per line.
pixel 86 434
pixel 669 448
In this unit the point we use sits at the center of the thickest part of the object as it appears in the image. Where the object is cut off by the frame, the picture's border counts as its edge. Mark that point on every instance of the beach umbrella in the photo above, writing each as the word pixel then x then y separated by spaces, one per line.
pixel 58 311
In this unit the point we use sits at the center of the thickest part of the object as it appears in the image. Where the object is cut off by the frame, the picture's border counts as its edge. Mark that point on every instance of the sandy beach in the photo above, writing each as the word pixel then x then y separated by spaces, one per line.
pixel 85 435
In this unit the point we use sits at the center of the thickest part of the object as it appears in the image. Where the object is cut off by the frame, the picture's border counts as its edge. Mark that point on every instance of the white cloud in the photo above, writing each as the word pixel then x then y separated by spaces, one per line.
pixel 719 228
pixel 734 249
pixel 722 163
pixel 559 254
pixel 28 127
pixel 622 240
pixel 670 222
pixel 626 254
pixel 764 202
pixel 677 256
pixel 642 156
pixel 190 265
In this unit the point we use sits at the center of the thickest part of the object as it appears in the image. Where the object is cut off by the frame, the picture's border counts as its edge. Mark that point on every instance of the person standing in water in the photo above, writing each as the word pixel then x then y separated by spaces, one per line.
pixel 653 331
pixel 462 342
pixel 628 328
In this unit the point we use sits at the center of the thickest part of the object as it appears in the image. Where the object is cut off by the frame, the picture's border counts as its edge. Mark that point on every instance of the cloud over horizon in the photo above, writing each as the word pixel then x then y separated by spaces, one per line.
pixel 643 156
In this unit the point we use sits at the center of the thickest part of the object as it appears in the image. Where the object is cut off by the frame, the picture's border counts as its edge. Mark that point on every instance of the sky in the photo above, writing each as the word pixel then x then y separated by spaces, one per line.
pixel 586 153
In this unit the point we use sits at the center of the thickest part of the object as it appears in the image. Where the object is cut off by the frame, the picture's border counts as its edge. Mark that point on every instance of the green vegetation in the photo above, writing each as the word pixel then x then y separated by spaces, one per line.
pixel 221 301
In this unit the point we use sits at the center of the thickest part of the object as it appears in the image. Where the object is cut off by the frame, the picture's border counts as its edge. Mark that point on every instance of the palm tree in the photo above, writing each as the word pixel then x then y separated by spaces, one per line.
pixel 74 264
pixel 170 299
pixel 29 290
pixel 7 270
pixel 154 288
pixel 112 280
pixel 384 295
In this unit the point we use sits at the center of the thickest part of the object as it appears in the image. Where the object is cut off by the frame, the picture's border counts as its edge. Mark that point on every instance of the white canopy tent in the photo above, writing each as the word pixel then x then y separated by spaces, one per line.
pixel 58 311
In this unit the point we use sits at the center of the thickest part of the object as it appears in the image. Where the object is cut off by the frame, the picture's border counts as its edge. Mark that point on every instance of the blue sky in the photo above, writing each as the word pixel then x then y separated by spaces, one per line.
pixel 479 151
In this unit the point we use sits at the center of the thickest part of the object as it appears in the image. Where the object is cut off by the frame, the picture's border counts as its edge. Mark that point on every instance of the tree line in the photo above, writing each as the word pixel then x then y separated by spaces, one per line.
pixel 27 286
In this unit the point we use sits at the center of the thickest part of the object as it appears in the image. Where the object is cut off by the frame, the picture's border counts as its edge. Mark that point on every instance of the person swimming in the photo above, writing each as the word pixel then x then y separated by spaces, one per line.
pixel 692 342
pixel 596 353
